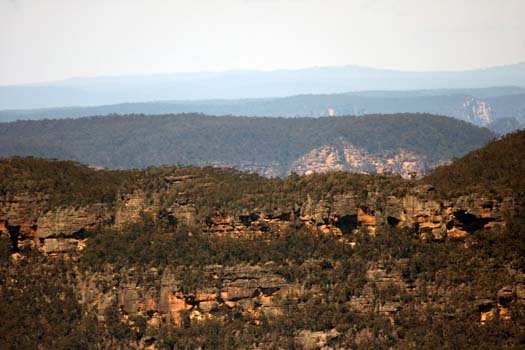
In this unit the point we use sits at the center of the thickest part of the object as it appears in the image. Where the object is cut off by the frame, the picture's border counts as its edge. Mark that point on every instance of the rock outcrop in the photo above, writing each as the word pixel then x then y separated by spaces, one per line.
pixel 342 155
pixel 27 218
pixel 343 214
pixel 130 207
pixel 160 297
pixel 308 340
pixel 64 222
pixel 477 111
pixel 500 305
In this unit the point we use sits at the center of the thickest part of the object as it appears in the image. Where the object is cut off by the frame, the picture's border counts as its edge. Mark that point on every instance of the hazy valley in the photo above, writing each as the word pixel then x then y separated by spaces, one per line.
pixel 502 109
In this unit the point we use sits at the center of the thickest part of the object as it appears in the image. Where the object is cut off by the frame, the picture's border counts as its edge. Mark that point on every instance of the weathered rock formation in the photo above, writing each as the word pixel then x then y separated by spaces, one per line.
pixel 64 228
pixel 342 155
pixel 26 217
pixel 477 111
pixel 499 306
pixel 160 297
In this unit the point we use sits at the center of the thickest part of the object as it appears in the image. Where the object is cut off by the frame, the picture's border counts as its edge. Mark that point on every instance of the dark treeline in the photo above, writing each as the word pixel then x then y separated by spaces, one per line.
pixel 496 168
pixel 139 141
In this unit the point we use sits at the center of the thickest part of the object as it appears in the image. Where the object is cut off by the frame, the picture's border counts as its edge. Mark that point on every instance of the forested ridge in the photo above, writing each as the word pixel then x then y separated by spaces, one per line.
pixel 496 168
pixel 137 141
pixel 502 109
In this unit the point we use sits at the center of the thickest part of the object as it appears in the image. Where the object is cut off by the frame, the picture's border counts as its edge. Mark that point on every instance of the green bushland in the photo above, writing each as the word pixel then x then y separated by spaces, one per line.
pixel 139 141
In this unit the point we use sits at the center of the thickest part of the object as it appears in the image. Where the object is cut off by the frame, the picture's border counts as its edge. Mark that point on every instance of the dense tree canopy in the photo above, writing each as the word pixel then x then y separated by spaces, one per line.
pixel 139 141
pixel 498 167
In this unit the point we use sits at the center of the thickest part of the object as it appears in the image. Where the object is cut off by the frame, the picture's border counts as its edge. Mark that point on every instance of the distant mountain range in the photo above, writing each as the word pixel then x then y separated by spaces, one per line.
pixel 502 109
pixel 248 84
pixel 407 144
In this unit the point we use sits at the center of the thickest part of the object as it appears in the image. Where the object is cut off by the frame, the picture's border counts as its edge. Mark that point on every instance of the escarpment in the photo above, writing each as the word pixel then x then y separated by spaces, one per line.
pixel 340 214
pixel 254 291
pixel 186 257
pixel 27 221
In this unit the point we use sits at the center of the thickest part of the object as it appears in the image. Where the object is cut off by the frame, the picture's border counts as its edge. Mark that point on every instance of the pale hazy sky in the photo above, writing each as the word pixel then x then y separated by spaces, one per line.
pixel 54 39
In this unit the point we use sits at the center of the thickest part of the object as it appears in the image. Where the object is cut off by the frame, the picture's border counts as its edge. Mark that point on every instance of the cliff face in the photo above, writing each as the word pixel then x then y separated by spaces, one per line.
pixel 344 156
pixel 344 214
pixel 477 111
pixel 27 219
pixel 66 228
pixel 256 291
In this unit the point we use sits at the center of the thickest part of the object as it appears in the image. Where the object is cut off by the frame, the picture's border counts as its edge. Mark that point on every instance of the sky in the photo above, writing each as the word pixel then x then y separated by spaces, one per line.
pixel 43 40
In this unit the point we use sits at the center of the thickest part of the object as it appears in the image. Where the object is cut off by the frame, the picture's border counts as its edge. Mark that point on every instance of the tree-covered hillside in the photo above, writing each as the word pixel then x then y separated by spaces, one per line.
pixel 140 141
pixel 496 168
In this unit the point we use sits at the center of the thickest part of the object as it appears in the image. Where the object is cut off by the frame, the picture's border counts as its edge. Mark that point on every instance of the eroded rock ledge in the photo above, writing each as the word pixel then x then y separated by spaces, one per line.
pixel 66 228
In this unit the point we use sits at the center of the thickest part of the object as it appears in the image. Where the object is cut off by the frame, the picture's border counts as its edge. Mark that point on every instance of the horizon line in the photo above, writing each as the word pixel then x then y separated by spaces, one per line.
pixel 253 70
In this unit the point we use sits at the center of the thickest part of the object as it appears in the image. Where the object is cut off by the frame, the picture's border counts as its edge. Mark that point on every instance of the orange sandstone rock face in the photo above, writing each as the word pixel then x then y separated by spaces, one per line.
pixel 54 245
pixel 367 219
pixel 252 289
pixel 339 215
pixel 236 293
pixel 457 233
pixel 504 313
pixel 342 155
pixel 150 304
pixel 309 340
pixel 30 212
pixel 3 227
pixel 487 315
pixel 177 303
pixel 491 311
pixel 500 307
pixel 218 223
pixel 132 206
pixel 70 221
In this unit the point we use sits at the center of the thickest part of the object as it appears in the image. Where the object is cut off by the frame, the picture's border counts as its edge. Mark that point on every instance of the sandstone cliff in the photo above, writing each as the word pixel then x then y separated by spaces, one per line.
pixel 62 229
pixel 342 155
pixel 378 252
